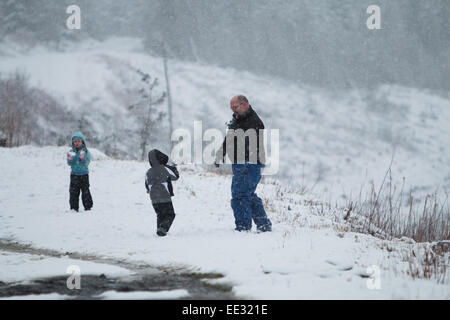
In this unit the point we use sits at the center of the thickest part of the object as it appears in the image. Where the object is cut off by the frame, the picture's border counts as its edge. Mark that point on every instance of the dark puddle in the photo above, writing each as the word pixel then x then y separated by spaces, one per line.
pixel 144 277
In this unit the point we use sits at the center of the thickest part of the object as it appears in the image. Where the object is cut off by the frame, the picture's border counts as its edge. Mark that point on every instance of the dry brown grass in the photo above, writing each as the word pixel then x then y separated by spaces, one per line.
pixel 424 263
pixel 383 213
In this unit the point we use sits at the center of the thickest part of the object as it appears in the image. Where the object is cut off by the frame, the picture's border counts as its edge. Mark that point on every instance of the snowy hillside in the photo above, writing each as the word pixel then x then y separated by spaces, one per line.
pixel 308 255
pixel 330 142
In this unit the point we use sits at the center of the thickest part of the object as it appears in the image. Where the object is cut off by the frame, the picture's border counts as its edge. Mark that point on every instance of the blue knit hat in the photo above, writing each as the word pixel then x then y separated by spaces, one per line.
pixel 78 136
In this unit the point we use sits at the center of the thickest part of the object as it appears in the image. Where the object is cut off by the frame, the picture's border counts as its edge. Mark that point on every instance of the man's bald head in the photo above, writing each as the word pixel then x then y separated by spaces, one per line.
pixel 239 104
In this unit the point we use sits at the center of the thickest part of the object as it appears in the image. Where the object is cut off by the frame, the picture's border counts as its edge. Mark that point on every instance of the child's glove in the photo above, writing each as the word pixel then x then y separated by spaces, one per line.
pixel 82 155
pixel 171 164
pixel 70 155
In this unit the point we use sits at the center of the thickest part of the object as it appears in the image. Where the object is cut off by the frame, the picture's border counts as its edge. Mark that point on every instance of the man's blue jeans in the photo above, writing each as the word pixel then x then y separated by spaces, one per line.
pixel 245 203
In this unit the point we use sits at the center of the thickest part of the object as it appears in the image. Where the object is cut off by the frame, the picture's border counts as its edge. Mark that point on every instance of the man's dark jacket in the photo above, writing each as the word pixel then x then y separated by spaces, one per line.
pixel 249 120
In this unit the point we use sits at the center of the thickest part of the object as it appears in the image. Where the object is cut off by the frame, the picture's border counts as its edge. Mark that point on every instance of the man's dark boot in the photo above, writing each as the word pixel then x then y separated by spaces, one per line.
pixel 266 228
pixel 161 232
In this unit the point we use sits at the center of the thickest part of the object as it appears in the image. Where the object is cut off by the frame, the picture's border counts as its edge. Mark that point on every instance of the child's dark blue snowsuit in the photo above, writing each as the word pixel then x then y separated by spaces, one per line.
pixel 158 182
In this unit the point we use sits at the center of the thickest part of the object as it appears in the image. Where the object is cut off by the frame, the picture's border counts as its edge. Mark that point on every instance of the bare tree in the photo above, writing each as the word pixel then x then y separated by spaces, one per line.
pixel 28 114
pixel 147 114
pixel 16 116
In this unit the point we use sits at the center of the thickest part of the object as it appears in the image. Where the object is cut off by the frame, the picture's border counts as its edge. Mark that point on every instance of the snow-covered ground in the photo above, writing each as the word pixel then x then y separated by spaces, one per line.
pixel 330 141
pixel 22 267
pixel 144 295
pixel 309 255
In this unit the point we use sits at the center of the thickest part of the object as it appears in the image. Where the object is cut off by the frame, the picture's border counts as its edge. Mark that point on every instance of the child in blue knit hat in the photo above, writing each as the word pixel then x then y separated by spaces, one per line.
pixel 78 158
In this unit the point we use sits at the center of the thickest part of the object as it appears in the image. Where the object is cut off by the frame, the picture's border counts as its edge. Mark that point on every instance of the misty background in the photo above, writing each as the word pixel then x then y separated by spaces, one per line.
pixel 363 118
pixel 347 100
pixel 318 42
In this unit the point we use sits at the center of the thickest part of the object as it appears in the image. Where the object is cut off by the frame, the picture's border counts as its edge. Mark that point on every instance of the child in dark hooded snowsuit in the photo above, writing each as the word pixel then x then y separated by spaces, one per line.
pixel 79 158
pixel 158 182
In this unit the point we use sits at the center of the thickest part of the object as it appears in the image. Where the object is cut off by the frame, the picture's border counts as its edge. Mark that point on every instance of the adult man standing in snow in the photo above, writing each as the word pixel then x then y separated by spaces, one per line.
pixel 245 148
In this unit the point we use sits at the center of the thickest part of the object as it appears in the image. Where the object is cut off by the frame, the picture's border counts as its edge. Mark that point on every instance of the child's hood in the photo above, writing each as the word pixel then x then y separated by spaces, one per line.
pixel 156 157
pixel 79 135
